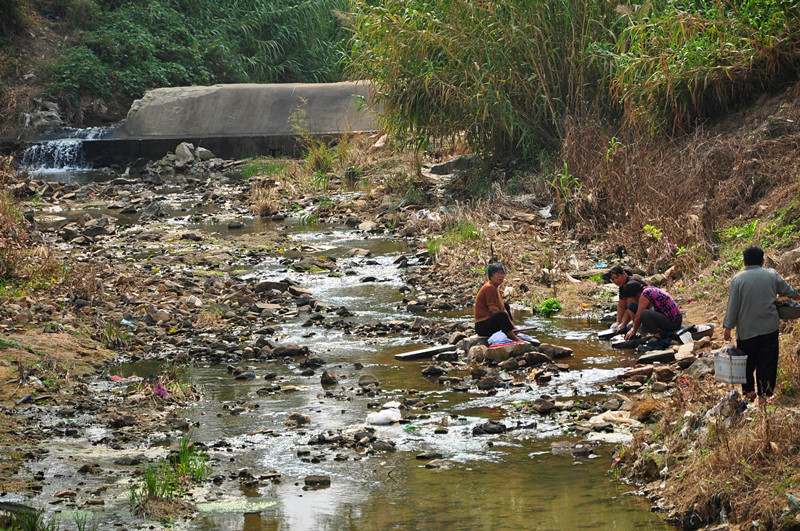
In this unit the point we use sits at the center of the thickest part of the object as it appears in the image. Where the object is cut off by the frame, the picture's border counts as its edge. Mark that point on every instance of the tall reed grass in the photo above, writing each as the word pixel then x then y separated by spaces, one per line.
pixel 505 75
pixel 690 60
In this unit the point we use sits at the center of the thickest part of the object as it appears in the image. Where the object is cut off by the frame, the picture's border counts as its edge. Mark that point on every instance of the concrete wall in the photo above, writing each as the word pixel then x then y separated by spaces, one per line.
pixel 248 110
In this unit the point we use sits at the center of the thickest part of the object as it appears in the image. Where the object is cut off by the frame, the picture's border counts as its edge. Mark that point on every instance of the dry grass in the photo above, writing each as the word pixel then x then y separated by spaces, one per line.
pixel 722 456
pixel 22 257
pixel 264 198
pixel 684 190
pixel 164 509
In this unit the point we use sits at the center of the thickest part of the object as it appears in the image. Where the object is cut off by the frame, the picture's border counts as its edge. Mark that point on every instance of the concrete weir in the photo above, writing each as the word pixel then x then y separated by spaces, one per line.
pixel 234 121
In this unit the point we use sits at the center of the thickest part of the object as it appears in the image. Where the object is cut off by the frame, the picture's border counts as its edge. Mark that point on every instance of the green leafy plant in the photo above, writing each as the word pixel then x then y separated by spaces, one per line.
pixel 549 307
pixel 653 232
pixel 309 219
pixel 264 166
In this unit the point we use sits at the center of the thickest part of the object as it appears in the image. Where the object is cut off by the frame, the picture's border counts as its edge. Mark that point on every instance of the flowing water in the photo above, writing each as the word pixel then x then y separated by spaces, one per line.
pixel 510 481
pixel 501 482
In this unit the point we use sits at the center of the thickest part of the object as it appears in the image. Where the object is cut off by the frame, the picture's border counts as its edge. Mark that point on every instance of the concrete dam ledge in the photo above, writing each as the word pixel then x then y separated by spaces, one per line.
pixel 236 121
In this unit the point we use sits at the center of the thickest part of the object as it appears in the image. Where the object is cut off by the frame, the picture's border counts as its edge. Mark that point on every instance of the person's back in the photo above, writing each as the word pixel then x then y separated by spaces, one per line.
pixel 755 313
pixel 752 311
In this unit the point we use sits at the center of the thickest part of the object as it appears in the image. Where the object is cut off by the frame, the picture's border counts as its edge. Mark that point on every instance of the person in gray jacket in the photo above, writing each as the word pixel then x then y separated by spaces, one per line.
pixel 752 311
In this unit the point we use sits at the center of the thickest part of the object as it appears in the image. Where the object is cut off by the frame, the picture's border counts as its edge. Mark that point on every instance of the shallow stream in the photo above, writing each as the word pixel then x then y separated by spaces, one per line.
pixel 509 481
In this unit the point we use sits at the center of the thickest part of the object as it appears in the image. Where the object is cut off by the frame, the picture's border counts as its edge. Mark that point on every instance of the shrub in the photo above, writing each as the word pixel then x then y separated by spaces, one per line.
pixel 80 72
pixel 12 19
pixel 689 60
pixel 549 307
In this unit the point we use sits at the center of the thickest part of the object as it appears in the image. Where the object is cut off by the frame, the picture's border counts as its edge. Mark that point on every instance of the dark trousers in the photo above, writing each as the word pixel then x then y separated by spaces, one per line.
pixel 762 357
pixel 653 321
pixel 499 322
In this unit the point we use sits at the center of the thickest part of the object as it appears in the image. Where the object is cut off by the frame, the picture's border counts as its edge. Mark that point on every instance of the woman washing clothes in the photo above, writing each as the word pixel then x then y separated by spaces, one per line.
pixel 657 312
pixel 492 314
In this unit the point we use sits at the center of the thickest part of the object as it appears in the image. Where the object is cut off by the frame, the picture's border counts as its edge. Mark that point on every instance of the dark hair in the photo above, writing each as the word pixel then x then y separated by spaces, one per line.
pixel 632 289
pixel 616 270
pixel 753 255
pixel 491 269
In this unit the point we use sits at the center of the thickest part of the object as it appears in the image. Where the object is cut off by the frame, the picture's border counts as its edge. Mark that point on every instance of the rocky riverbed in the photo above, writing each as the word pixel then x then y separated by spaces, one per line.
pixel 269 343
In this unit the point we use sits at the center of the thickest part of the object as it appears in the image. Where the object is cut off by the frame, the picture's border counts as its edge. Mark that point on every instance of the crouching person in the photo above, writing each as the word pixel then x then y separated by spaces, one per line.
pixel 657 311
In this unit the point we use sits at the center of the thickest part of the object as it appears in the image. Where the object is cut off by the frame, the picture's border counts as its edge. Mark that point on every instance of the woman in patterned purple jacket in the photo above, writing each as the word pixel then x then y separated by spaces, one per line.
pixel 657 312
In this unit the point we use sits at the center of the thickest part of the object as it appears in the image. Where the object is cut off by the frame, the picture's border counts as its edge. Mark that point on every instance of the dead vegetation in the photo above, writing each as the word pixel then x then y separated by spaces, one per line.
pixel 722 458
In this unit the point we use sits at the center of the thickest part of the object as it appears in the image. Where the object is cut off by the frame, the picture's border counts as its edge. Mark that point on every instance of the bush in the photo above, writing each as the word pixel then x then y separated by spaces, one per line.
pixel 144 45
pixel 79 73
pixel 12 19
pixel 691 60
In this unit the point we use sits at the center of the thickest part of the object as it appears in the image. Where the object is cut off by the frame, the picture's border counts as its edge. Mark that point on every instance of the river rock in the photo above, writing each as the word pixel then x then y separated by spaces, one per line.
pixel 298 419
pixel 510 364
pixel 489 428
pixel 381 445
pixel 291 350
pixel 542 406
pixel 645 371
pixel 329 378
pixel 185 152
pixel 664 374
pixel 477 354
pixel 701 367
pixel 366 380
pixel 433 370
pixel 503 352
pixel 663 356
pixel 554 351
pixel 318 481
pixel 122 421
pixel 490 382
pixel 204 154
pixel 534 359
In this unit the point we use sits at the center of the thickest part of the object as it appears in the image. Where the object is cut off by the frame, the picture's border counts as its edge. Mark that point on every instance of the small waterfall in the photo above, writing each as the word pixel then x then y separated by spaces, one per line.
pixel 64 153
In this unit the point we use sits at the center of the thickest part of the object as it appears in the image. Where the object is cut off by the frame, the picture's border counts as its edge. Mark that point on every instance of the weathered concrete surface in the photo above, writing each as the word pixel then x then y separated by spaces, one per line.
pixel 235 120
pixel 248 109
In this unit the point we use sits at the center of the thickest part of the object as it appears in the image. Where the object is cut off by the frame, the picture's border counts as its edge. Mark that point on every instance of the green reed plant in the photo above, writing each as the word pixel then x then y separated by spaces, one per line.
pixel 167 481
pixel 504 74
pixel 190 462
pixel 460 232
pixel 687 60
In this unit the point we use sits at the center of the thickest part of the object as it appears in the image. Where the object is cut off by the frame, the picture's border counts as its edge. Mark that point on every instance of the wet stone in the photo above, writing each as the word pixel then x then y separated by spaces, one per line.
pixel 329 378
pixel 366 380
pixel 489 428
pixel 317 481
pixel 383 446
pixel 542 406
pixel 490 382
pixel 433 370
pixel 122 421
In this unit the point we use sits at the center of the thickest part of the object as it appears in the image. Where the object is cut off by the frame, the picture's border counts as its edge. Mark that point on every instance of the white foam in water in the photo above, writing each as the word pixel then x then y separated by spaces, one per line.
pixel 61 154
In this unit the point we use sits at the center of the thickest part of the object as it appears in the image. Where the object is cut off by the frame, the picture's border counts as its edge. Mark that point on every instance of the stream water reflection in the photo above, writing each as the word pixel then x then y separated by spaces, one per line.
pixel 499 482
